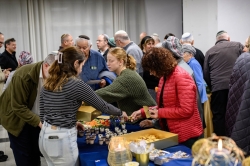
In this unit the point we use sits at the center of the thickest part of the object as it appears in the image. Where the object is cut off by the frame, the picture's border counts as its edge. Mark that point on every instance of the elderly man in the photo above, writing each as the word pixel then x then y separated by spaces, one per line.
pixel 19 111
pixel 188 39
pixel 122 40
pixel 188 56
pixel 66 41
pixel 102 44
pixel 95 68
pixel 8 57
pixel 218 66
pixel 157 40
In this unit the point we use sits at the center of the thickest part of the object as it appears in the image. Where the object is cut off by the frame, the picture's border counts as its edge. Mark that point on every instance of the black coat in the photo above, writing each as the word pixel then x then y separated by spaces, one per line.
pixel 199 56
pixel 8 60
pixel 238 107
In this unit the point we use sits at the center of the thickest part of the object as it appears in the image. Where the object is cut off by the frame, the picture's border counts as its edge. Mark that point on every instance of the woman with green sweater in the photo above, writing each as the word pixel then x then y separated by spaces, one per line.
pixel 128 90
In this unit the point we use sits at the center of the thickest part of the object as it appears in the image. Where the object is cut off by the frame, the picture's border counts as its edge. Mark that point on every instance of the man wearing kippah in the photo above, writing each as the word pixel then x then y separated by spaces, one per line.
pixel 218 66
pixel 95 67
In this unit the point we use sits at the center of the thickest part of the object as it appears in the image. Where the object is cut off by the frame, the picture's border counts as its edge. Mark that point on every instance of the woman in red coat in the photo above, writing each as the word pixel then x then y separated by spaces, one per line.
pixel 176 97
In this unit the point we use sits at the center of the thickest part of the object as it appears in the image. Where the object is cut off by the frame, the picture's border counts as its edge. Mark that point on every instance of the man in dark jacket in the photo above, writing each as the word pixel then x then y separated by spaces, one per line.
pixel 8 57
pixel 218 66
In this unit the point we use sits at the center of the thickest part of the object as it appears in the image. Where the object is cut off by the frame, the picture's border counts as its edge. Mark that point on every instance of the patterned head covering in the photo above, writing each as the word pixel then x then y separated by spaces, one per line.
pixel 173 44
pixel 188 48
pixel 25 58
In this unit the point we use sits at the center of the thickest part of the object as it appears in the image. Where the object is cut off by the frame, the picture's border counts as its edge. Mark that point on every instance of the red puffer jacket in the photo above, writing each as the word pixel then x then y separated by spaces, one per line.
pixel 179 105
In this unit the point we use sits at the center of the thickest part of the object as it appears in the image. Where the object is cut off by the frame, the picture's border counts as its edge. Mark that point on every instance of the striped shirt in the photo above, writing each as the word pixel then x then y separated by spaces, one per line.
pixel 60 108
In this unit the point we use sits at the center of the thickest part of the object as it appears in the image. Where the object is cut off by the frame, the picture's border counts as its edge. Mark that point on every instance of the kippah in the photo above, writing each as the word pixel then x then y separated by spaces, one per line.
pixel 186 35
pixel 84 37
pixel 220 32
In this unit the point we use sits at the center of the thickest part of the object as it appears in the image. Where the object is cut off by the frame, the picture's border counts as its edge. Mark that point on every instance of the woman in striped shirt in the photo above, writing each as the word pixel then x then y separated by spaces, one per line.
pixel 60 99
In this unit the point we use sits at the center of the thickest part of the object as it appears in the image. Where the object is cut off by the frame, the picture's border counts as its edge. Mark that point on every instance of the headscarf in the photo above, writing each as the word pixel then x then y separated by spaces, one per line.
pixel 25 58
pixel 173 44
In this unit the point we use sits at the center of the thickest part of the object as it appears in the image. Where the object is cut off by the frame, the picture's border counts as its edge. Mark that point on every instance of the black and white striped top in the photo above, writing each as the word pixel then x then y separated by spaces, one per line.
pixel 59 108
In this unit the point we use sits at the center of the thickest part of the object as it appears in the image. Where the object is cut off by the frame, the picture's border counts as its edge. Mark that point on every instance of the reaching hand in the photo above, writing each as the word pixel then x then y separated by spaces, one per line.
pixel 153 113
pixel 146 123
pixel 6 73
pixel 136 115
pixel 102 83
pixel 79 126
pixel 124 115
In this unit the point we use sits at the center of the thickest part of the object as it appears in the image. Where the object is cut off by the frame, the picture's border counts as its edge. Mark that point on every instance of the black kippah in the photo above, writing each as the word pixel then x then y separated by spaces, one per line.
pixel 84 37
pixel 220 32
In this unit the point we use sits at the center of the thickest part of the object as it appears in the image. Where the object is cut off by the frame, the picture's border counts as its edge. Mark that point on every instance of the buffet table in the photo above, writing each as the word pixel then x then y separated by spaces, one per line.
pixel 96 155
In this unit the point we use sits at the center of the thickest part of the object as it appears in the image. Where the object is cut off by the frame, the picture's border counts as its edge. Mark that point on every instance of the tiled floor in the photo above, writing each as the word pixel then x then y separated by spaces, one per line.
pixel 5 147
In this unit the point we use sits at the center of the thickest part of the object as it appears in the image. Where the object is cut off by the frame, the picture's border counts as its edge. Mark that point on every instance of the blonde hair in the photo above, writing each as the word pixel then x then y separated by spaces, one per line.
pixel 120 54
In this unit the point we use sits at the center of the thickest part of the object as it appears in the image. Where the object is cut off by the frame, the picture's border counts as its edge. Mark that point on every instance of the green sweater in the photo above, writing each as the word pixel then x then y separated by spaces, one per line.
pixel 129 91
pixel 18 99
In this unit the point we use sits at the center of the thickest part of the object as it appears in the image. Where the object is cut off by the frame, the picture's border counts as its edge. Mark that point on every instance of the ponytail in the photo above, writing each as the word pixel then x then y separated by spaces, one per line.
pixel 131 62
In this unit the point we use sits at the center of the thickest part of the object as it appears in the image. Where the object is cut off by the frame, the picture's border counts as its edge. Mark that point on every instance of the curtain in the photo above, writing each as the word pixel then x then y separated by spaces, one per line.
pixel 37 25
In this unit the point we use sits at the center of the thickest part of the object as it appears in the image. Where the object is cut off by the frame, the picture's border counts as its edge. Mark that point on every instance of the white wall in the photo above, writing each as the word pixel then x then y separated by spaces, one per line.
pixel 164 16
pixel 200 19
pixel 233 17
pixel 205 18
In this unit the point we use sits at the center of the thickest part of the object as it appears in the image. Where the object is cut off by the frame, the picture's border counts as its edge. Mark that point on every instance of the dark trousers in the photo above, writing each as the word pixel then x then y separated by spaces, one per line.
pixel 218 106
pixel 25 147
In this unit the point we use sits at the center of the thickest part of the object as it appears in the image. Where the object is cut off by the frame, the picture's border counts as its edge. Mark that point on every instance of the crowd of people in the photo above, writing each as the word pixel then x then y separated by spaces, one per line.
pixel 39 101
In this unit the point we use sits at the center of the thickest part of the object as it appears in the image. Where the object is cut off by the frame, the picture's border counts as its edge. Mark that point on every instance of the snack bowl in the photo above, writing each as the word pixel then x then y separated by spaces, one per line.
pixel 132 163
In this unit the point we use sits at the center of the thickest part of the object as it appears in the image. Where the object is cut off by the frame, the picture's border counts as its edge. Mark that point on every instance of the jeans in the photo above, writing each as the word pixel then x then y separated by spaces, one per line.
pixel 25 146
pixel 58 145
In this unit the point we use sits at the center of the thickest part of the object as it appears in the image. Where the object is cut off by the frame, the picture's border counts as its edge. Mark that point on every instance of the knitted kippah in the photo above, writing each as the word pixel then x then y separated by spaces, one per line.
pixel 220 32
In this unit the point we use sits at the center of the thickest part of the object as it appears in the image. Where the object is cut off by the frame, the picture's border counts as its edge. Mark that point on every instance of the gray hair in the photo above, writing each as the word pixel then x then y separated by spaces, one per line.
pixel 50 59
pixel 187 38
pixel 82 39
pixel 122 35
pixel 156 37
pixel 222 36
